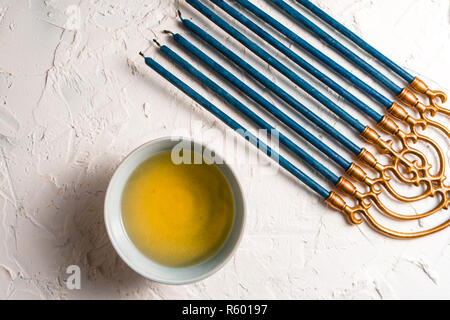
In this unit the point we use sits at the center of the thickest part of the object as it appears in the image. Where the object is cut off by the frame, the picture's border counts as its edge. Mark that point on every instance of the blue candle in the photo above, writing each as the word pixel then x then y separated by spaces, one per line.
pixel 353 122
pixel 415 83
pixel 331 198
pixel 289 144
pixel 347 53
pixel 238 128
pixel 262 102
pixel 299 60
pixel 360 42
pixel 290 100
pixel 383 100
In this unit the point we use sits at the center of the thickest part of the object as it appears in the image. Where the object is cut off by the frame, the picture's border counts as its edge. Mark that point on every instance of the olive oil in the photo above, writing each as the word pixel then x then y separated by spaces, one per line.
pixel 177 215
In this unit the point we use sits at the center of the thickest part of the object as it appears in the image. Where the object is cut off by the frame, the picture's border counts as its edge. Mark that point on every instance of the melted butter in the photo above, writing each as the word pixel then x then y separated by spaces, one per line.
pixel 177 215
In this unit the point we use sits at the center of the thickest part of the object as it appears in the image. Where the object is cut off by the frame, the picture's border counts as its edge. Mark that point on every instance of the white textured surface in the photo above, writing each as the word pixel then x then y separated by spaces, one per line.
pixel 75 98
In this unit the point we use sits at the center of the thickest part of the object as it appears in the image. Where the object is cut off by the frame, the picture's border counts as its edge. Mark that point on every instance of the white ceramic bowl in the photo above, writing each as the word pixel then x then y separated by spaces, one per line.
pixel 126 248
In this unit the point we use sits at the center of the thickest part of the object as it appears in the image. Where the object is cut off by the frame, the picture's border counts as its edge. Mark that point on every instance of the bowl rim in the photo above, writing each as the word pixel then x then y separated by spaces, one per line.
pixel 239 190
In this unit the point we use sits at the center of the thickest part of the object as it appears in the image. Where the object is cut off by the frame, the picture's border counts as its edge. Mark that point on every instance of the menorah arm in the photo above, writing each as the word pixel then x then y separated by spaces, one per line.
pixel 420 87
pixel 356 216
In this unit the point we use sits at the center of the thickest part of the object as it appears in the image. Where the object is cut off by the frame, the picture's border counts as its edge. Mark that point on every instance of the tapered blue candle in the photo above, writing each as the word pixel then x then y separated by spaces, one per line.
pixel 347 53
pixel 353 122
pixel 324 193
pixel 299 60
pixel 356 39
pixel 415 83
pixel 360 84
pixel 289 99
pixel 308 136
pixel 285 141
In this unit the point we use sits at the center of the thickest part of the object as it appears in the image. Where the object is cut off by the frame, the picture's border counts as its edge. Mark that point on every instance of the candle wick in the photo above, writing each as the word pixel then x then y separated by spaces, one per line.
pixel 179 15
pixel 141 54
pixel 169 32
pixel 157 43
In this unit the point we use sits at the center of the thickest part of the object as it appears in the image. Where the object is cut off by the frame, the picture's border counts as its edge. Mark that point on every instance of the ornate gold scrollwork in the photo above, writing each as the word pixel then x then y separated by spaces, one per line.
pixel 409 99
pixel 420 87
pixel 432 184
pixel 419 174
pixel 374 185
pixel 389 126
pixel 357 214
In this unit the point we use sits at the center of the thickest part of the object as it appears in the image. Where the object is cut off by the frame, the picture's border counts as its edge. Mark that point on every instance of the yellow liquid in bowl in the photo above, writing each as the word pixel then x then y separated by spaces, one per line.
pixel 177 215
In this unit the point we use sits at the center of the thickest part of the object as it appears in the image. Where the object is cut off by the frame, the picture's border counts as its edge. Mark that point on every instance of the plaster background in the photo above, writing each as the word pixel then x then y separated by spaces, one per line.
pixel 75 98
